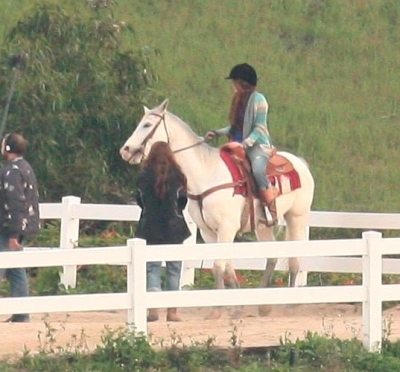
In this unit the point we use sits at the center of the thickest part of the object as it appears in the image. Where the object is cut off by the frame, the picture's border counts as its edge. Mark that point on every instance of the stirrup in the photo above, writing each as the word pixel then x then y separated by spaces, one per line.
pixel 269 220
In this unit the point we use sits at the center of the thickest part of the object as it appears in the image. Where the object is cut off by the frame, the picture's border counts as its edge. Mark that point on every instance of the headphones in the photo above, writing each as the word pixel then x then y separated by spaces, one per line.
pixel 7 147
pixel 14 143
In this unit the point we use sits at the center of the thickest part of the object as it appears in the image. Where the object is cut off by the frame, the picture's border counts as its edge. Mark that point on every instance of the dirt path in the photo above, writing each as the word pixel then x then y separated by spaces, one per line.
pixel 292 322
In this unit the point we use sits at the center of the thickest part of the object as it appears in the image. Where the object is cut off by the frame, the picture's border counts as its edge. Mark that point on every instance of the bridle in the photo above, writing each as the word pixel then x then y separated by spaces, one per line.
pixel 151 134
pixel 199 198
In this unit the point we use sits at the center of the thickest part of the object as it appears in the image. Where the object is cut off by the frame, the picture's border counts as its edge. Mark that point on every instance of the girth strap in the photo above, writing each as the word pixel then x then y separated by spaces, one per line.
pixel 201 196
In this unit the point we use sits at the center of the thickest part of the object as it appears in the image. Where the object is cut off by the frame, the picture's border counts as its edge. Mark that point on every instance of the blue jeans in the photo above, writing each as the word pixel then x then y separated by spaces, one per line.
pixel 17 277
pixel 154 276
pixel 259 161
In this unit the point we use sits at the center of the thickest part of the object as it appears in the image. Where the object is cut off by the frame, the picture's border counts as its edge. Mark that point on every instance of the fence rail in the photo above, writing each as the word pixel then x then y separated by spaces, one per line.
pixel 136 300
pixel 71 211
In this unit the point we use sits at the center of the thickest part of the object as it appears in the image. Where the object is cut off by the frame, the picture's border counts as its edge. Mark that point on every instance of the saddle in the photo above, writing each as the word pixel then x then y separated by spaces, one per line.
pixel 280 172
pixel 277 166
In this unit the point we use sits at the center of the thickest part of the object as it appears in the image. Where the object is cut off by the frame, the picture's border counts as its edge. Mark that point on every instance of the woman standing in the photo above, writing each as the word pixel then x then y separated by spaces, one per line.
pixel 161 193
pixel 248 125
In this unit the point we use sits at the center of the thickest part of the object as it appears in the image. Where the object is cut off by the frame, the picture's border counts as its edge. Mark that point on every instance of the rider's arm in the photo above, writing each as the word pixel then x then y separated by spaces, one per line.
pixel 218 133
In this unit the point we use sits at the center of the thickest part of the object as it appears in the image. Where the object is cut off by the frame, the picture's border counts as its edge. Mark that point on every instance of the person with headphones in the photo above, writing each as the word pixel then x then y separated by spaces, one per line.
pixel 248 126
pixel 19 211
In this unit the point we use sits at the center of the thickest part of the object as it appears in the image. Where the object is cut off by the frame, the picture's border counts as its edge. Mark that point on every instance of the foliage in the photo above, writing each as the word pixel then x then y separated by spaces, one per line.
pixel 121 348
pixel 78 93
pixel 124 350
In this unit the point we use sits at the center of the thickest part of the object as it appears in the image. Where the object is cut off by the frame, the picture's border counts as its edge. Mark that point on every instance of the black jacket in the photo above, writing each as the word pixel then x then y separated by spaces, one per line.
pixel 19 200
pixel 161 220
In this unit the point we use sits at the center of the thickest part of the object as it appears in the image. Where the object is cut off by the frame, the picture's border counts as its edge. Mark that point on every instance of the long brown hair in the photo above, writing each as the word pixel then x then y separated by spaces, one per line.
pixel 162 160
pixel 239 102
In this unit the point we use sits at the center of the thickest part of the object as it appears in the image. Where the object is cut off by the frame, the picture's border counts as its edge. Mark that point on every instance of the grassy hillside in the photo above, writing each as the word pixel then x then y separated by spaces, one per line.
pixel 330 70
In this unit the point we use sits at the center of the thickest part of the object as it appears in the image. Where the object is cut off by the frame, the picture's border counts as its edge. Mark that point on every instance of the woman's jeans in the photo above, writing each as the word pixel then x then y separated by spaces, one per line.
pixel 154 276
pixel 17 276
pixel 259 160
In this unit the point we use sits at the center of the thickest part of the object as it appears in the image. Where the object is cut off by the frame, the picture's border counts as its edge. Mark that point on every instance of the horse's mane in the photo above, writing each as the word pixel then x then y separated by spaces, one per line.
pixel 184 125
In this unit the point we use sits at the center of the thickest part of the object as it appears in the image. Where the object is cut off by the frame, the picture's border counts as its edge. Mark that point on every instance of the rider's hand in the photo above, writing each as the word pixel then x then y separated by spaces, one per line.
pixel 211 135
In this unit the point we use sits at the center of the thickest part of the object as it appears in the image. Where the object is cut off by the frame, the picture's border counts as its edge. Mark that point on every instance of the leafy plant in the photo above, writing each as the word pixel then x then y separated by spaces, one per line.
pixel 80 87
pixel 125 349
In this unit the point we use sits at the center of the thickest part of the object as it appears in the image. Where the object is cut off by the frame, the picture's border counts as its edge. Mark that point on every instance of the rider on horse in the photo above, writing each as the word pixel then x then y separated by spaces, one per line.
pixel 248 126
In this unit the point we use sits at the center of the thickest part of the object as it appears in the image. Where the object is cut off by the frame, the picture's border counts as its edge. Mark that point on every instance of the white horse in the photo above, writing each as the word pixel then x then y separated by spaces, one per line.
pixel 219 217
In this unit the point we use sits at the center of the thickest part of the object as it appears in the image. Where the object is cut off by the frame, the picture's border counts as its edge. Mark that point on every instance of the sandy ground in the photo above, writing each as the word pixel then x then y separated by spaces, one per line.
pixel 291 322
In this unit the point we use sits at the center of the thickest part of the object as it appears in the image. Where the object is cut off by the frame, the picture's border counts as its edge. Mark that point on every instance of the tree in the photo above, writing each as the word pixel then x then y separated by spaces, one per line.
pixel 78 97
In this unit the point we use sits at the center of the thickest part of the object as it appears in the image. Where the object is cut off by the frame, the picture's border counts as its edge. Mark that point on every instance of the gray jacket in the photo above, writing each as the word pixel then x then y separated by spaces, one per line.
pixel 19 200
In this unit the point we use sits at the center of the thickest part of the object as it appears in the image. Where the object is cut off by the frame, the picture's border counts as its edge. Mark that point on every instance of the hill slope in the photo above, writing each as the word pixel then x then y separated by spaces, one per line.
pixel 330 70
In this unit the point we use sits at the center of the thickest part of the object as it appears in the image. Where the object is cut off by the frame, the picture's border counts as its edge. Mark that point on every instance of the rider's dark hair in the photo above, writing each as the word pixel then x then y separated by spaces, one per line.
pixel 238 105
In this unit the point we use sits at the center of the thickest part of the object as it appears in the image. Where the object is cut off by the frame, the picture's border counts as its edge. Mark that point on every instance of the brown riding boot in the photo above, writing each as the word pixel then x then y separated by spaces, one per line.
pixel 172 315
pixel 152 315
pixel 268 197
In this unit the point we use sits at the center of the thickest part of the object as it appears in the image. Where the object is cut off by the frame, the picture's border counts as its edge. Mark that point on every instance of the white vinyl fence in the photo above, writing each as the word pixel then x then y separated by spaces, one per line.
pixel 71 211
pixel 136 300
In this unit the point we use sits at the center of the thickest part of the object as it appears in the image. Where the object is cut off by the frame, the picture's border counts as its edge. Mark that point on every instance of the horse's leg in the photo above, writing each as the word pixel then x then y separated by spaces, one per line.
pixel 265 233
pixel 295 230
pixel 222 268
pixel 226 234
pixel 210 236
pixel 231 277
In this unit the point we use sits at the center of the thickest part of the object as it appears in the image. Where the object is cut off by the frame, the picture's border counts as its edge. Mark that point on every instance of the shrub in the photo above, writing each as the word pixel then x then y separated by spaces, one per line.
pixel 80 87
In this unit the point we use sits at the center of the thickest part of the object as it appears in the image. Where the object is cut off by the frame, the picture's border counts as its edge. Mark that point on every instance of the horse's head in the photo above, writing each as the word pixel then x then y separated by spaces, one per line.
pixel 150 129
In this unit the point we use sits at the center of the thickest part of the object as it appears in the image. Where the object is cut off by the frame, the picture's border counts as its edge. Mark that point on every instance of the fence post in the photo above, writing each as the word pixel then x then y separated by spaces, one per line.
pixel 187 273
pixel 69 235
pixel 136 285
pixel 372 282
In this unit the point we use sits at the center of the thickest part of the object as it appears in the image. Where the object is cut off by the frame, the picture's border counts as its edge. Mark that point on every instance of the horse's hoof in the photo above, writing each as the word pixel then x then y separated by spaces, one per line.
pixel 264 310
pixel 212 315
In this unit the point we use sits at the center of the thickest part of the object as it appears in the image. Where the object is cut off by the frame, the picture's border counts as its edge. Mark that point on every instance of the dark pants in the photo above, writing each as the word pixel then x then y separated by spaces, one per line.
pixel 16 276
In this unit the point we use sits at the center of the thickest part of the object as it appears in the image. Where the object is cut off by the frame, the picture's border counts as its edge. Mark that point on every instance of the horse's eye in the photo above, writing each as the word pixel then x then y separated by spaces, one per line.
pixel 146 125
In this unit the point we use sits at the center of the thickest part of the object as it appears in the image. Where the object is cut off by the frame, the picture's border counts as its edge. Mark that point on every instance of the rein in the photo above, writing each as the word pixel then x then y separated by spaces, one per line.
pixel 189 147
pixel 151 134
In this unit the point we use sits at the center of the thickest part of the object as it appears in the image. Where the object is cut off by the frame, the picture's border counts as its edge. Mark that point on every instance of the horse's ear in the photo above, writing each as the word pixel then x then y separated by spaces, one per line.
pixel 146 110
pixel 163 106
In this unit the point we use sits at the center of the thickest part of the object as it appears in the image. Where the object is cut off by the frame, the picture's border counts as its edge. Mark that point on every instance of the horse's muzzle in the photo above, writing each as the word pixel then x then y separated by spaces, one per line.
pixel 130 156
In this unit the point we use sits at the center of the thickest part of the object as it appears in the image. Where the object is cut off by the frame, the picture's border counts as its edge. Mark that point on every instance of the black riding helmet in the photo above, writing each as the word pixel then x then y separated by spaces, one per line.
pixel 244 72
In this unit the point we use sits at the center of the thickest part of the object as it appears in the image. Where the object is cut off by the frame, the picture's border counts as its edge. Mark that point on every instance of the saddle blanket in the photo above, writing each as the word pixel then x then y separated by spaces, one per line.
pixel 284 182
